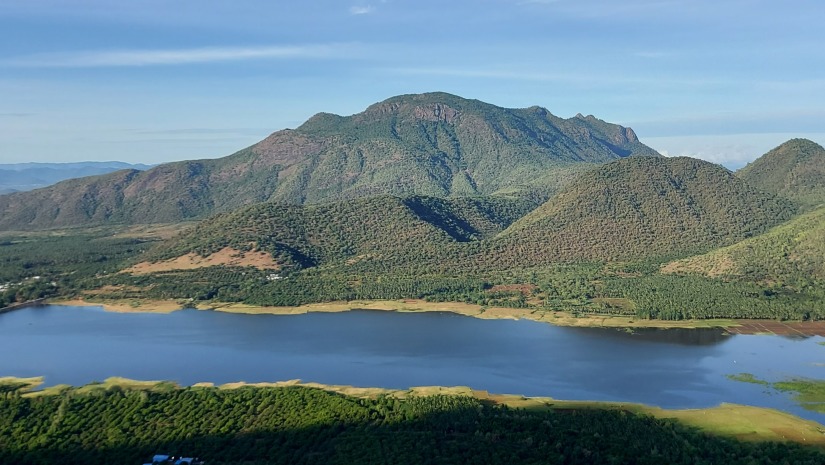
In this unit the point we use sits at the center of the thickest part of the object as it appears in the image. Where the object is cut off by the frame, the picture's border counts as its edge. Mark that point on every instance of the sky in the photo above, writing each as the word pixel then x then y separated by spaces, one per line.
pixel 153 81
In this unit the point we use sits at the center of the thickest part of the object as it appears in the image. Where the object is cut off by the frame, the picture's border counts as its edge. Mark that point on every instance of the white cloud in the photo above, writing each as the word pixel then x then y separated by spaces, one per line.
pixel 731 150
pixel 114 58
pixel 361 10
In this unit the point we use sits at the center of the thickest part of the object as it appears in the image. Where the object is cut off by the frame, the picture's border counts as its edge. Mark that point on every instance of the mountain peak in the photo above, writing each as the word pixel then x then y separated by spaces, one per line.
pixel 434 144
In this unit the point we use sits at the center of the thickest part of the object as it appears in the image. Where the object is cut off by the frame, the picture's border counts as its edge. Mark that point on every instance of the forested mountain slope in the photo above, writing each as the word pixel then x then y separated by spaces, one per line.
pixel 628 209
pixel 795 170
pixel 791 254
pixel 642 207
pixel 431 144
pixel 383 228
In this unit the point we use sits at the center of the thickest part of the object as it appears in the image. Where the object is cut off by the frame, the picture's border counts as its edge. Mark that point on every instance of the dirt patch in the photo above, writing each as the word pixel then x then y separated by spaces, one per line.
pixel 525 289
pixel 498 313
pixel 111 289
pixel 779 328
pixel 713 267
pixel 191 261
pixel 127 305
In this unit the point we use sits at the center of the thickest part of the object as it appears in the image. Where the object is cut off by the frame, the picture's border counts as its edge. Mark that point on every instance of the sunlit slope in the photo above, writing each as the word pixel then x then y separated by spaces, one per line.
pixel 642 207
pixel 795 170
pixel 791 254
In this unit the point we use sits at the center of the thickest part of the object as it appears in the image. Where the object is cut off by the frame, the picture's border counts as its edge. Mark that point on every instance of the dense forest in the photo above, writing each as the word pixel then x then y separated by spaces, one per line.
pixel 300 425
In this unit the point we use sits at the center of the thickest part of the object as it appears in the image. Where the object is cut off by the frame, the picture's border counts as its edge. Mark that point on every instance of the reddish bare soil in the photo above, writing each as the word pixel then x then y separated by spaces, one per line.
pixel 780 328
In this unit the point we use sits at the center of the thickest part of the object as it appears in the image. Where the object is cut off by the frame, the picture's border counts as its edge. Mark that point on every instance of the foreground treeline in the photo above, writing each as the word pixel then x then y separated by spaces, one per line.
pixel 299 425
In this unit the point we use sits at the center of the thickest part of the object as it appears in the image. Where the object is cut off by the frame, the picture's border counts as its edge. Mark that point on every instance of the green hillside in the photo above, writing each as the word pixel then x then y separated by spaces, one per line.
pixel 430 144
pixel 641 207
pixel 795 170
pixel 791 254
pixel 386 229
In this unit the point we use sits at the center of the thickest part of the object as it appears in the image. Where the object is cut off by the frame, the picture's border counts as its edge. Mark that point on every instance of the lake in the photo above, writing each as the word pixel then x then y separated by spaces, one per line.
pixel 669 368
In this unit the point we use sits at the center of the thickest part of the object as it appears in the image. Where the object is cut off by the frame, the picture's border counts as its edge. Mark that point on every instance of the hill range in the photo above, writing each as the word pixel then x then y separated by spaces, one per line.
pixel 435 196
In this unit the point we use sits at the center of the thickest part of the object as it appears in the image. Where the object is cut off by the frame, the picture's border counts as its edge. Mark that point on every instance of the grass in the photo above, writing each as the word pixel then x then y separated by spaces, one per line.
pixel 748 378
pixel 809 393
pixel 14 384
pixel 558 318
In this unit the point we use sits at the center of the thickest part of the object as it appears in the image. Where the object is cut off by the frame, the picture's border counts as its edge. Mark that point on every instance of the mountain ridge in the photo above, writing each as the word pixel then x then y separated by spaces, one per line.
pixel 421 144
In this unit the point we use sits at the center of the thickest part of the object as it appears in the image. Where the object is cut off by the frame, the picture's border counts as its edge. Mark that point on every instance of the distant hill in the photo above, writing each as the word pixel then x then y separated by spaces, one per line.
pixel 429 144
pixel 795 170
pixel 791 254
pixel 641 207
pixel 15 177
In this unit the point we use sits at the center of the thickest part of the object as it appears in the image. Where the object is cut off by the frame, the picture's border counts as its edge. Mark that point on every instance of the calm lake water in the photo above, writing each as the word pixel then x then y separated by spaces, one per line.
pixel 668 368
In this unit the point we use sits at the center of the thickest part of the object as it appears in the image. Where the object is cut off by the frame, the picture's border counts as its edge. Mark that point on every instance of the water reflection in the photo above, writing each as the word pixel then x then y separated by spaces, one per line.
pixel 679 336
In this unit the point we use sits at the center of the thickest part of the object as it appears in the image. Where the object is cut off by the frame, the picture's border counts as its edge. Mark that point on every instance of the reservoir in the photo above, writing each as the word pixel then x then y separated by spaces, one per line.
pixel 668 368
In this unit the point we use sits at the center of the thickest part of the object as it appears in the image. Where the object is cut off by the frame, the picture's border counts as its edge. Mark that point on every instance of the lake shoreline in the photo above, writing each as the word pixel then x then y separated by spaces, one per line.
pixel 742 422
pixel 556 318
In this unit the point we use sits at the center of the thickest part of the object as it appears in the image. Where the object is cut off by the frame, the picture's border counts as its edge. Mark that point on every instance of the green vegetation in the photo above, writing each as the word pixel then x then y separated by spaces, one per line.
pixel 794 170
pixel 113 423
pixel 808 393
pixel 419 247
pixel 748 378
pixel 791 255
pixel 638 208
pixel 34 266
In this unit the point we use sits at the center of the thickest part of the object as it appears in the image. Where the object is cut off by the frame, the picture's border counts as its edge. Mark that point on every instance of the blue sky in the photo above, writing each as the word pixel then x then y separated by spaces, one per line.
pixel 162 80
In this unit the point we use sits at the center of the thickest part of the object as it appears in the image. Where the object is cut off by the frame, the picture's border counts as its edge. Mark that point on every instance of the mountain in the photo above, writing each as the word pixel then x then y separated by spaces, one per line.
pixel 15 177
pixel 641 207
pixel 790 254
pixel 386 229
pixel 795 170
pixel 429 144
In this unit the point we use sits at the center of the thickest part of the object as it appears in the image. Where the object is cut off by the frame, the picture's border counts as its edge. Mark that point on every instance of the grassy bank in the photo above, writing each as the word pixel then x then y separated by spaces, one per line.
pixel 727 420
pixel 477 311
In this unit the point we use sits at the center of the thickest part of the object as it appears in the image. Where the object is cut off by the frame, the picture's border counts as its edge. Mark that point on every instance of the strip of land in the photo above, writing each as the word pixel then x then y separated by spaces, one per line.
pixel 731 420
pixel 558 318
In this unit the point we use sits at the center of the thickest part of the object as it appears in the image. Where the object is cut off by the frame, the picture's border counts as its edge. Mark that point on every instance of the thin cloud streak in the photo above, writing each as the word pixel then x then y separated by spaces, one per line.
pixel 127 58
pixel 590 79
pixel 361 10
